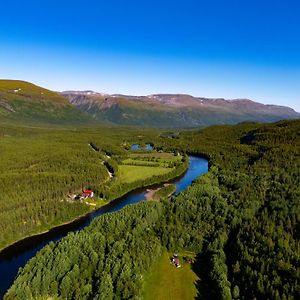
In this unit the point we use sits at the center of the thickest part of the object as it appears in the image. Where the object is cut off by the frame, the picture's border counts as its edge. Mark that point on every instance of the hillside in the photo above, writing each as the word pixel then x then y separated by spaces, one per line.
pixel 174 111
pixel 24 102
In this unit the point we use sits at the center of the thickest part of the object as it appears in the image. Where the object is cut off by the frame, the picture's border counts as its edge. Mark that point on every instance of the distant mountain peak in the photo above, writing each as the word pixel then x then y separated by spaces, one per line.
pixel 87 93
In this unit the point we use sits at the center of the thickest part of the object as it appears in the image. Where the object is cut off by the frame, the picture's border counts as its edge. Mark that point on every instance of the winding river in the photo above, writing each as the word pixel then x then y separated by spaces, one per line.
pixel 16 255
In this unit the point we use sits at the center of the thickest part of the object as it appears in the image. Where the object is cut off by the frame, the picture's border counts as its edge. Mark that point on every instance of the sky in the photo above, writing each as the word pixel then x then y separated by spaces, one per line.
pixel 213 48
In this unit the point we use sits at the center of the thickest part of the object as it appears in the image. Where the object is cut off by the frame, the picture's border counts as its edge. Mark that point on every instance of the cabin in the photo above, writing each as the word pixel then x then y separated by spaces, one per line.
pixel 87 194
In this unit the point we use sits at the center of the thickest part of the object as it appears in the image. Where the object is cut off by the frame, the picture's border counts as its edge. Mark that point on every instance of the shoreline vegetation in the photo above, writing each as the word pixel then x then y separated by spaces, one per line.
pixel 178 171
pixel 166 191
pixel 2 250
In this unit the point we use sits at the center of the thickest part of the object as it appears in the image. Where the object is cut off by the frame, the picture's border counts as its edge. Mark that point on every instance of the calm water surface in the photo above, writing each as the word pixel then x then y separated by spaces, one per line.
pixel 148 147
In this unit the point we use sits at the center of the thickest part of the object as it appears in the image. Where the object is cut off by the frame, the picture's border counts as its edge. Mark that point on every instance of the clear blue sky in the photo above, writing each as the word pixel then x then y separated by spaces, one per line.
pixel 231 49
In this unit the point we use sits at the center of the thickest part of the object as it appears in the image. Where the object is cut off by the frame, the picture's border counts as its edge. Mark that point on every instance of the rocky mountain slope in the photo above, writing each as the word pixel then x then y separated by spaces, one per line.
pixel 177 110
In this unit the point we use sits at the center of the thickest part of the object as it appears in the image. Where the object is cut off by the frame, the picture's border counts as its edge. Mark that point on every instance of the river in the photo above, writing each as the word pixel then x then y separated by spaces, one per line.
pixel 16 255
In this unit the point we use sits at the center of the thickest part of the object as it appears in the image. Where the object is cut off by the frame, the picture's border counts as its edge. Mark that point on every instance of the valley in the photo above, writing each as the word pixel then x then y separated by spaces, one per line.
pixel 75 220
pixel 150 150
pixel 254 170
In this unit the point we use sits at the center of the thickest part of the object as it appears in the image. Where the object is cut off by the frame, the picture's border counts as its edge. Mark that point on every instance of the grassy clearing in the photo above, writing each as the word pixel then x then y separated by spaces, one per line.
pixel 140 166
pixel 128 174
pixel 139 172
pixel 165 282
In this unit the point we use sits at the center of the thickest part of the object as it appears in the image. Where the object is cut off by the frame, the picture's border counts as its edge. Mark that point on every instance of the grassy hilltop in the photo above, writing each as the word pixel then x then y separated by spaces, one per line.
pixel 23 102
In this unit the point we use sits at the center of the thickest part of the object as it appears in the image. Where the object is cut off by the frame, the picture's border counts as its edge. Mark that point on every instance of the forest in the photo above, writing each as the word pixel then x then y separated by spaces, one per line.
pixel 241 220
pixel 39 167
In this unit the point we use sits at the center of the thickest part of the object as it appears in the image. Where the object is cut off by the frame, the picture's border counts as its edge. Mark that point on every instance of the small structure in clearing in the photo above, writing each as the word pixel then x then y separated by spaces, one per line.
pixel 82 196
pixel 87 194
pixel 175 261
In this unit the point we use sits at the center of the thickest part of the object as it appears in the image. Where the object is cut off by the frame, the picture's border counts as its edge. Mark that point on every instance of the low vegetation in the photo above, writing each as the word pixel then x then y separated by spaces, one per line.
pixel 241 220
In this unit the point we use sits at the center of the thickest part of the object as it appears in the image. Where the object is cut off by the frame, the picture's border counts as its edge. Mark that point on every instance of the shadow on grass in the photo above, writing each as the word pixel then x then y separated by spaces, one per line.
pixel 204 285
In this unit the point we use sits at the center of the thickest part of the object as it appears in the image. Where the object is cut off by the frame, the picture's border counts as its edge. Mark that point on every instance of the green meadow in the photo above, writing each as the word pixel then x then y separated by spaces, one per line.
pixel 128 174
pixel 166 282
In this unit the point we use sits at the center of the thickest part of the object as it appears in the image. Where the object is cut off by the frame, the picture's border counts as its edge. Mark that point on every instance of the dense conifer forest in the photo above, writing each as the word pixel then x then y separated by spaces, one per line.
pixel 40 167
pixel 241 219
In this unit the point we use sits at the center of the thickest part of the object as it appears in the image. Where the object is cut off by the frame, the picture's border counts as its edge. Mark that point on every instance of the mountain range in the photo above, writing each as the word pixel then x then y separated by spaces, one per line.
pixel 22 101
pixel 174 110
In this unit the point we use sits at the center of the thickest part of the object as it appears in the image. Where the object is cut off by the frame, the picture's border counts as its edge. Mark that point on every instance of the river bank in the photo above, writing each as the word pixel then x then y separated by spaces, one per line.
pixel 166 191
pixel 150 193
pixel 156 180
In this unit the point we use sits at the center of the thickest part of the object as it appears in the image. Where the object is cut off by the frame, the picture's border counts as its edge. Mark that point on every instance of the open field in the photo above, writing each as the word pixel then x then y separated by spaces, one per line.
pixel 140 166
pixel 128 174
pixel 166 282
